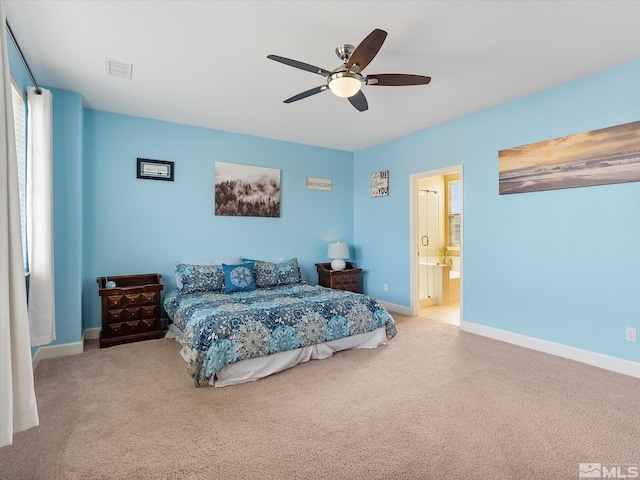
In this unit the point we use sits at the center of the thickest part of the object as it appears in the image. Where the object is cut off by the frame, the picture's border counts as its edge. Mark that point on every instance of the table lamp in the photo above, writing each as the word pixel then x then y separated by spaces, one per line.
pixel 338 252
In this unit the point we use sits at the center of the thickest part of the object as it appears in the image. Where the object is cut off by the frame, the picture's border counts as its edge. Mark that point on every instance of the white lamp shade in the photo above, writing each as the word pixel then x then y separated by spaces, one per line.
pixel 338 251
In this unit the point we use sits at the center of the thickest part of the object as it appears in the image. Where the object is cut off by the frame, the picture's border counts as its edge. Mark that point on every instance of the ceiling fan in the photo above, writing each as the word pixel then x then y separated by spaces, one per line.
pixel 347 80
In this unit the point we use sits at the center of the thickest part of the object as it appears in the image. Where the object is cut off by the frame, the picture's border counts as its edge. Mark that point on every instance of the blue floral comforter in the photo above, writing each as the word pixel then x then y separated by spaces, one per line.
pixel 223 328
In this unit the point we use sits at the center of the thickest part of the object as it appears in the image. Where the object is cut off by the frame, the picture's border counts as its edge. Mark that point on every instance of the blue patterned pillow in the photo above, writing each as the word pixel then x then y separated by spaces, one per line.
pixel 200 278
pixel 238 278
pixel 269 274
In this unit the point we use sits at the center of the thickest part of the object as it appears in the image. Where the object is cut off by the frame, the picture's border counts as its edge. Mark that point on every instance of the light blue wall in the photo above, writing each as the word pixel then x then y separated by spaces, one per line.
pixel 67 213
pixel 559 265
pixel 143 226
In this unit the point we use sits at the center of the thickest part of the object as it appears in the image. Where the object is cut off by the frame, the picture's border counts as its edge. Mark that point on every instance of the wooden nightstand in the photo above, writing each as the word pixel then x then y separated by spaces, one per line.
pixel 131 310
pixel 347 279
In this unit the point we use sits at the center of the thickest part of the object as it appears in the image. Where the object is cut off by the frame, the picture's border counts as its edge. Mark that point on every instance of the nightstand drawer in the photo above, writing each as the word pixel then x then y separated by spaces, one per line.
pixel 132 299
pixel 148 324
pixel 113 329
pixel 132 327
pixel 344 282
pixel 149 298
pixel 115 316
pixel 115 301
pixel 133 313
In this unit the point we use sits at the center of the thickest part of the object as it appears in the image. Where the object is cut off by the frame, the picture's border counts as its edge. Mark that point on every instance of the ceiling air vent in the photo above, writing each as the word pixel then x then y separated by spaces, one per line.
pixel 116 68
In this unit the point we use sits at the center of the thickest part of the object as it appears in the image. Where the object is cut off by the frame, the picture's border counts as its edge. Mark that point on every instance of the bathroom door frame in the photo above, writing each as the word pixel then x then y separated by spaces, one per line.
pixel 414 261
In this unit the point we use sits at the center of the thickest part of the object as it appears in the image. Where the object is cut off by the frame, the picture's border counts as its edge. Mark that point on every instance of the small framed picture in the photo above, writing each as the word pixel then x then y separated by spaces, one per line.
pixel 380 184
pixel 155 169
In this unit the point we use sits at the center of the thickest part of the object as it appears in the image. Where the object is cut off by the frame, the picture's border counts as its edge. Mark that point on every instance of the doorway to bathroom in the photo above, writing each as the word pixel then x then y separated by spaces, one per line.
pixel 436 244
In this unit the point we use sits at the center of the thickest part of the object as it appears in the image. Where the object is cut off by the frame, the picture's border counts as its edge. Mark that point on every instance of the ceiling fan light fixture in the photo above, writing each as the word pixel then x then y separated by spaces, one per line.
pixel 347 80
pixel 345 84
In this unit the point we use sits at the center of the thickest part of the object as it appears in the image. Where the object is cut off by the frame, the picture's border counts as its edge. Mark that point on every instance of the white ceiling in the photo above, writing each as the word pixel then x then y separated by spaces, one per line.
pixel 205 63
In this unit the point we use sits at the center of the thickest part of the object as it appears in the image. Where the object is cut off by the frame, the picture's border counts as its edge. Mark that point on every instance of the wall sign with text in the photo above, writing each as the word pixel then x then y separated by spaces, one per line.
pixel 155 169
pixel 319 184
pixel 380 183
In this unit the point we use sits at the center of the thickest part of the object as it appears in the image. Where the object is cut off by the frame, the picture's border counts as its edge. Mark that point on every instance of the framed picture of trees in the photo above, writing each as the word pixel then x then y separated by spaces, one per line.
pixel 245 190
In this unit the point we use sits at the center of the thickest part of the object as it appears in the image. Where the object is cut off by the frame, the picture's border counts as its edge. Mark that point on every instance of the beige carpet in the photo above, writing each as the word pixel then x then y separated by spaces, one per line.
pixel 435 403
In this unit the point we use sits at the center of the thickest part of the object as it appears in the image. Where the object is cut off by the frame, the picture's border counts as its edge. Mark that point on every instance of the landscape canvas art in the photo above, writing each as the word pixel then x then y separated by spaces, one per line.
pixel 245 190
pixel 598 157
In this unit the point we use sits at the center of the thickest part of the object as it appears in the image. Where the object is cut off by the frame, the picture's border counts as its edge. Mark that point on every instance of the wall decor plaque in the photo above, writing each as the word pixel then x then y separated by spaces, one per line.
pixel 380 183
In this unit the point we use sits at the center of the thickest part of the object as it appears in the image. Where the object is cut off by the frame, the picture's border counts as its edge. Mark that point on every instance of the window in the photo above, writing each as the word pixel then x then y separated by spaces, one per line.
pixel 454 213
pixel 20 125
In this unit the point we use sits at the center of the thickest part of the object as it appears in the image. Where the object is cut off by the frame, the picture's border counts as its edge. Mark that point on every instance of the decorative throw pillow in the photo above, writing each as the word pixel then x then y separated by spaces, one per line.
pixel 215 261
pixel 238 278
pixel 269 274
pixel 200 278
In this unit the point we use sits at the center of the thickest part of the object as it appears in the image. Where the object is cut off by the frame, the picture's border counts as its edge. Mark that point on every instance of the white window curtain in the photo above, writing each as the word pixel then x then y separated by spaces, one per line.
pixel 18 409
pixel 42 322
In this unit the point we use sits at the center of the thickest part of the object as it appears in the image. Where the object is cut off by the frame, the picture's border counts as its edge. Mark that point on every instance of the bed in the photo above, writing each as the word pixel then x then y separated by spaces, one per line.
pixel 244 320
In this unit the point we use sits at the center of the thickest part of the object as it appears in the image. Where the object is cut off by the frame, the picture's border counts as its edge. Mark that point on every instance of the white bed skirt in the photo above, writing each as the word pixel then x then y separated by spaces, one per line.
pixel 256 368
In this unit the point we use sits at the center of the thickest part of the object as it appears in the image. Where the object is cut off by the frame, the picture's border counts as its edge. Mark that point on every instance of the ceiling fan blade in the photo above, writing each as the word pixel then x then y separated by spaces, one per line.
pixel 306 94
pixel 397 79
pixel 300 65
pixel 359 101
pixel 367 50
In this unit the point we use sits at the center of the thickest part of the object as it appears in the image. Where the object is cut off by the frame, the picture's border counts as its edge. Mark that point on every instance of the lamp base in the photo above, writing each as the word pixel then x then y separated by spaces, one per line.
pixel 338 264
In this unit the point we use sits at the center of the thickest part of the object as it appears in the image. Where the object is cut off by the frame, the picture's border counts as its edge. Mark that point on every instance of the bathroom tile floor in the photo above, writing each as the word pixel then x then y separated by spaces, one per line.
pixel 443 313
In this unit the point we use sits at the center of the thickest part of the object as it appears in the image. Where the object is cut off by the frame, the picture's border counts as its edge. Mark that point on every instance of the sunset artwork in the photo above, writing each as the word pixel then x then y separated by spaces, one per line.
pixel 605 156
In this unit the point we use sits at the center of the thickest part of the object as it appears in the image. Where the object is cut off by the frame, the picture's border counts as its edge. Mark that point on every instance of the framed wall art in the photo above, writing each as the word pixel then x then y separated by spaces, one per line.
pixel 380 183
pixel 599 157
pixel 314 183
pixel 247 191
pixel 155 169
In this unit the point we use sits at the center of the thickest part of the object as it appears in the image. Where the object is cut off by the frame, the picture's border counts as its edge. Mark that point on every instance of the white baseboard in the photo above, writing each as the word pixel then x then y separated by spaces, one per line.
pixel 396 308
pixel 619 365
pixel 54 351
pixel 92 333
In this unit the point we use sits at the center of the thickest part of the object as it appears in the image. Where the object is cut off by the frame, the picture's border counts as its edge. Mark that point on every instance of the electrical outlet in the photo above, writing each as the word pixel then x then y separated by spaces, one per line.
pixel 631 334
pixel 386 287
